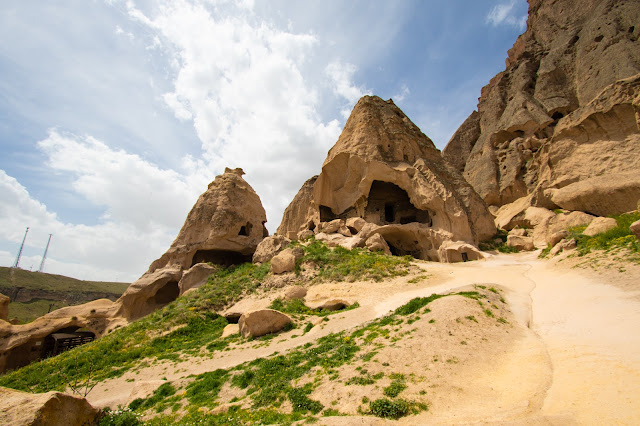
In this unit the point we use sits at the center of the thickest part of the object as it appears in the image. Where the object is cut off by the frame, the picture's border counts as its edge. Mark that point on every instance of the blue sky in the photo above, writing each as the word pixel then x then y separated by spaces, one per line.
pixel 116 114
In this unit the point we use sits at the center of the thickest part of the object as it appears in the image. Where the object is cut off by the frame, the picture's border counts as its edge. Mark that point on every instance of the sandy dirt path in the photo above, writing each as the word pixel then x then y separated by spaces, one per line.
pixel 582 336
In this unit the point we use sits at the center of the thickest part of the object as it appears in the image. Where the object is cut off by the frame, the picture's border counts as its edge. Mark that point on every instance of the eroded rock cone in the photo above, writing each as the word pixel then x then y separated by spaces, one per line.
pixel 561 122
pixel 384 170
pixel 223 227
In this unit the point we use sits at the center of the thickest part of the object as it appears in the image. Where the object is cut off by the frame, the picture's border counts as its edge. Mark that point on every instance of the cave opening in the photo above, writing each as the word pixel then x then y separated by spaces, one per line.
pixel 326 214
pixel 245 230
pixel 388 203
pixel 220 257
pixel 166 294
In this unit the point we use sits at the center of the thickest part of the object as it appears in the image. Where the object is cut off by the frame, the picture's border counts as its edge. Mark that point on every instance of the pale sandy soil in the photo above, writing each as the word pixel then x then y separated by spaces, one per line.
pixel 570 353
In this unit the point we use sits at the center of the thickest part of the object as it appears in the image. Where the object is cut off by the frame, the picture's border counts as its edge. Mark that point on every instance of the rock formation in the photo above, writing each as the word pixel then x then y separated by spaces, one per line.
pixel 4 307
pixel 223 227
pixel 384 170
pixel 52 408
pixel 560 124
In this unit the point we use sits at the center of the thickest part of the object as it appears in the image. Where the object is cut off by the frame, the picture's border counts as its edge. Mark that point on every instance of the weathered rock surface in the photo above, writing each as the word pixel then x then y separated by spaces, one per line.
pixel 223 227
pixel 285 261
pixel 230 330
pixel 520 243
pixel 151 292
pixel 563 245
pixel 269 247
pixel 560 123
pixel 384 171
pixel 4 307
pixel 458 251
pixel 635 228
pixel 600 225
pixel 52 409
pixel 261 322
pixel 195 277
pixel 377 243
pixel 295 215
pixel 295 292
pixel 331 305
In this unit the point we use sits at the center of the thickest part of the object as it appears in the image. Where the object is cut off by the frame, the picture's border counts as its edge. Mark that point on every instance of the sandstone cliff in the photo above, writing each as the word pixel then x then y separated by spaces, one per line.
pixel 560 124
pixel 384 170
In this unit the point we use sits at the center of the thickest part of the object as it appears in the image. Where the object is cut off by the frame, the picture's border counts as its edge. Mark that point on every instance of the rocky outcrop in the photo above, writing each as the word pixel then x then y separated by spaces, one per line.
pixel 285 261
pixel 269 247
pixel 600 225
pixel 223 227
pixel 195 277
pixel 4 307
pixel 385 171
pixel 52 409
pixel 261 322
pixel 295 215
pixel 635 228
pixel 560 123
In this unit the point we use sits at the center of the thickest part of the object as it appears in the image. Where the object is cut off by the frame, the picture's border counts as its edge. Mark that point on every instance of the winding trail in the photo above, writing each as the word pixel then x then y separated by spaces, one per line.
pixel 578 361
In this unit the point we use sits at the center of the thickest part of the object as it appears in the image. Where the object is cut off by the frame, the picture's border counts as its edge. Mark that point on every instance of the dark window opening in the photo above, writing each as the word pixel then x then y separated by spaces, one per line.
pixel 557 115
pixel 233 318
pixel 389 212
pixel 388 203
pixel 220 257
pixel 63 340
pixel 326 214
pixel 246 229
pixel 465 256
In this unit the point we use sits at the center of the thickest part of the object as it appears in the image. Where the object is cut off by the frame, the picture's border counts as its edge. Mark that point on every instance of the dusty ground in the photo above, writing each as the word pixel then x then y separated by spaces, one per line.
pixel 569 352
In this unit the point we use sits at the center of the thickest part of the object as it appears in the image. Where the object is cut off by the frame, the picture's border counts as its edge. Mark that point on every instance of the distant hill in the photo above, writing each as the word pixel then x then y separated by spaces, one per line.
pixel 33 294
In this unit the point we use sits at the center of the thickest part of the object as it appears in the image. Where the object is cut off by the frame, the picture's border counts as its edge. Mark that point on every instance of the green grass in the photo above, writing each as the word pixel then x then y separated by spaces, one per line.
pixel 50 289
pixel 394 409
pixel 340 264
pixel 298 307
pixel 495 245
pixel 617 238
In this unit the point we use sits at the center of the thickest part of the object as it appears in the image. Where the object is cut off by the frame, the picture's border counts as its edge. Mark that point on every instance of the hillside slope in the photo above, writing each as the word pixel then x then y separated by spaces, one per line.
pixel 33 294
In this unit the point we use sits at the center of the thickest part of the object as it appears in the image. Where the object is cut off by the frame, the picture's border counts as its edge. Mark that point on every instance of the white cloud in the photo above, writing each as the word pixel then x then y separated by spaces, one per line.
pixel 341 76
pixel 402 95
pixel 240 80
pixel 505 14
pixel 108 251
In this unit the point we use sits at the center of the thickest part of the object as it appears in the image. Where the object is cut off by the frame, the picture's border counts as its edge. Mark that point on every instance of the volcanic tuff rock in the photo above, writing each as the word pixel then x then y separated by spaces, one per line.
pixel 223 227
pixel 384 170
pixel 561 122
pixel 4 307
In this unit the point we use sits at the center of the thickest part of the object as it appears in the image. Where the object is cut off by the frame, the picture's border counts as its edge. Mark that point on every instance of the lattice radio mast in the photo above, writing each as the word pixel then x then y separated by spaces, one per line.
pixel 17 262
pixel 44 256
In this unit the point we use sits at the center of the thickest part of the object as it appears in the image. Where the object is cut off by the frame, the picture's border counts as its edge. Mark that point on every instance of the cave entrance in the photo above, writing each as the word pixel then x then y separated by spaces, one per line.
pixel 388 203
pixel 220 257
pixel 64 339
pixel 166 294
pixel 246 229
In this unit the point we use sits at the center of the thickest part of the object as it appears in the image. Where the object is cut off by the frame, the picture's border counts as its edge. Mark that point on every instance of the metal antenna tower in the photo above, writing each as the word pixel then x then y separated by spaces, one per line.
pixel 44 256
pixel 17 262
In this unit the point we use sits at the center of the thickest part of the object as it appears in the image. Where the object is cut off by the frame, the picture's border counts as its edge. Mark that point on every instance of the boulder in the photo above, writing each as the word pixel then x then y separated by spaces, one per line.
pixel 4 307
pixel 304 234
pixel 458 251
pixel 344 230
pixel 270 247
pixel 261 322
pixel 521 214
pixel 520 243
pixel 224 227
pixel 563 245
pixel 331 305
pixel 610 194
pixel 556 237
pixel 355 224
pixel 52 409
pixel 383 170
pixel 559 123
pixel 195 277
pixel 520 232
pixel 635 228
pixel 600 225
pixel 377 243
pixel 295 292
pixel 285 261
pixel 230 330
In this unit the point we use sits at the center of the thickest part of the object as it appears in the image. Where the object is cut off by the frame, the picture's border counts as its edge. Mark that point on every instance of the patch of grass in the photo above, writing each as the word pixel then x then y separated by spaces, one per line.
pixel 488 312
pixel 417 279
pixel 416 304
pixel 618 237
pixel 340 264
pixel 394 409
pixel 498 243
pixel 394 389
pixel 298 307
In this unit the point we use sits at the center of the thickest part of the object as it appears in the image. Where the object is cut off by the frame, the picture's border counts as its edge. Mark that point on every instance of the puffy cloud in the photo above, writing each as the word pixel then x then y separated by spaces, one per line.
pixel 505 13
pixel 240 81
pixel 341 75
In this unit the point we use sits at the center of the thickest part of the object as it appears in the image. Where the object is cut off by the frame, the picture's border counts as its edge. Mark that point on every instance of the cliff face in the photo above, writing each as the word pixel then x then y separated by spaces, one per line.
pixel 563 112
